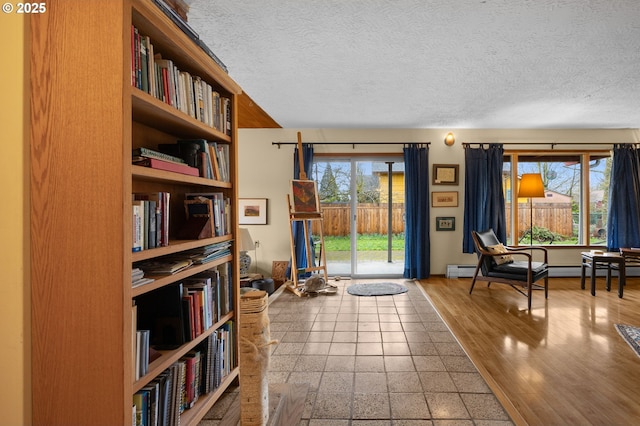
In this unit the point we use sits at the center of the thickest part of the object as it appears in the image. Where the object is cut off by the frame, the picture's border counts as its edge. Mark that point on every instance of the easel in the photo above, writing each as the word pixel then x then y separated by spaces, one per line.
pixel 306 211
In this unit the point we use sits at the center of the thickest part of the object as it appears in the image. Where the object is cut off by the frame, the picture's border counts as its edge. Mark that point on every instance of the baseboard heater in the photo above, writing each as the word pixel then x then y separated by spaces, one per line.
pixel 466 271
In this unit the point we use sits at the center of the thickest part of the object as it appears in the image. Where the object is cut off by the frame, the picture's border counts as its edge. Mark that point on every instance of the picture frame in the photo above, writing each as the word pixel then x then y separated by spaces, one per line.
pixel 445 174
pixel 252 211
pixel 444 199
pixel 445 223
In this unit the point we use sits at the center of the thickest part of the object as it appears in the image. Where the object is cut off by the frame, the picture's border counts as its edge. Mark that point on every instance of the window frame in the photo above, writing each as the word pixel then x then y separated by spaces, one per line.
pixel 584 203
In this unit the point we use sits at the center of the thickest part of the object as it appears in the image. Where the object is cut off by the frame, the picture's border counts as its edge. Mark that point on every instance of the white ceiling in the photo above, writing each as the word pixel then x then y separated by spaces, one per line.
pixel 431 63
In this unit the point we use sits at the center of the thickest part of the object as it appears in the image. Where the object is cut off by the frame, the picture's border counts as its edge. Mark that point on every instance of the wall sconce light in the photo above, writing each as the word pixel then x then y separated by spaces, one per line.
pixel 449 139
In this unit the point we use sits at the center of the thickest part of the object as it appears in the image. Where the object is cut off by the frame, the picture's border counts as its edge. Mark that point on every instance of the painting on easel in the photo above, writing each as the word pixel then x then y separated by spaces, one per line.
pixel 305 196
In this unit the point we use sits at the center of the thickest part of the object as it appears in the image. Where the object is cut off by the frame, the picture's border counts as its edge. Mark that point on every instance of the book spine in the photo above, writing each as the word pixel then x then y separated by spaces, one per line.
pixel 138 226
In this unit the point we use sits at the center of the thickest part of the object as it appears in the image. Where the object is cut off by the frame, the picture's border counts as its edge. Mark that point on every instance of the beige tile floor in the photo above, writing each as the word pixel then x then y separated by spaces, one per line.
pixel 384 360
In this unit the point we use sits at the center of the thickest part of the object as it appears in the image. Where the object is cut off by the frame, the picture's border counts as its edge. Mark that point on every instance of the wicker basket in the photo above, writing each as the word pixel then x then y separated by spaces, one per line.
pixel 254 358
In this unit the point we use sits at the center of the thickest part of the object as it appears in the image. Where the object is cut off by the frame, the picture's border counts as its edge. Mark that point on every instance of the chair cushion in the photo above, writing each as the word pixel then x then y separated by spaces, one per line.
pixel 517 270
pixel 500 248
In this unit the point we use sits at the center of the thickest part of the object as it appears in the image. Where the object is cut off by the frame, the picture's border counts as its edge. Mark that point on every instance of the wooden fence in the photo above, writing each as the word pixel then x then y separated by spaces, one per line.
pixel 556 217
pixel 371 219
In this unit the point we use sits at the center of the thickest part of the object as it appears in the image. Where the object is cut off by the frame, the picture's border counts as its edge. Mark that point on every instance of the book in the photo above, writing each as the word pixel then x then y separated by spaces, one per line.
pixel 160 311
pixel 177 19
pixel 138 226
pixel 141 402
pixel 188 317
pixel 168 166
pixel 213 153
pixel 150 153
pixel 153 390
pixel 165 383
pixel 164 265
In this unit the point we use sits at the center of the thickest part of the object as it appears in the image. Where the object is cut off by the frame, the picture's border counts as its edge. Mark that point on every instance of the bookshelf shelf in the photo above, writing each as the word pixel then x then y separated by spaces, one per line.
pixel 162 280
pixel 154 175
pixel 157 114
pixel 176 246
pixel 85 120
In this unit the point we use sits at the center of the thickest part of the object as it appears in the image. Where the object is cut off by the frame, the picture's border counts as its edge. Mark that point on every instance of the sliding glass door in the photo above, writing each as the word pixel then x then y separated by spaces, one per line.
pixel 363 205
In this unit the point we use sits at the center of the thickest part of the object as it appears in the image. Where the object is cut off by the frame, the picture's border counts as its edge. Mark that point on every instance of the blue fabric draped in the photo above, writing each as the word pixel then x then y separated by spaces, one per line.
pixel 623 222
pixel 484 205
pixel 298 226
pixel 416 185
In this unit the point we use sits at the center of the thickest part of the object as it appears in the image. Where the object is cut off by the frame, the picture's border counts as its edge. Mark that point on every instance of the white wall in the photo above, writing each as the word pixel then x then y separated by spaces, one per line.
pixel 265 171
pixel 15 291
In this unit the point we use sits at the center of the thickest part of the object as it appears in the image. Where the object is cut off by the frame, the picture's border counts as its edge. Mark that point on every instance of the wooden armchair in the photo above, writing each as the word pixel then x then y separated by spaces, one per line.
pixel 498 264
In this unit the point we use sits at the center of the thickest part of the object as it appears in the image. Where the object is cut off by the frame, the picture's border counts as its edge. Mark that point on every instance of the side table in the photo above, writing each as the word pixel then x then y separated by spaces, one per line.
pixel 605 260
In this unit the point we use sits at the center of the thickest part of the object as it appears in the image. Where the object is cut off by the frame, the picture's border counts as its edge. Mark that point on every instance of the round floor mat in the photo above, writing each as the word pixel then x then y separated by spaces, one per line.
pixel 376 289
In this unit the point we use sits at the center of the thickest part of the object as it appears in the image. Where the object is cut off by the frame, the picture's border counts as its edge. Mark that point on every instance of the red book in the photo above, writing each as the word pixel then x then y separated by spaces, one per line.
pixel 171 167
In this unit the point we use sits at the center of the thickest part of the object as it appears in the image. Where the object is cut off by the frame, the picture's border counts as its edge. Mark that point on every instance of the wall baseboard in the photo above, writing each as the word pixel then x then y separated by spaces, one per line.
pixel 466 271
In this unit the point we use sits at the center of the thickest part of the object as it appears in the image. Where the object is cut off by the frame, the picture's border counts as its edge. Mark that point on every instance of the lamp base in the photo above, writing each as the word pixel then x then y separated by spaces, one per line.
pixel 245 263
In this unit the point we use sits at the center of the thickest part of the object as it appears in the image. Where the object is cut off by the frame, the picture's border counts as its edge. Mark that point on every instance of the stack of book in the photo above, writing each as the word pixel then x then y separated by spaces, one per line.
pixel 138 278
pixel 158 160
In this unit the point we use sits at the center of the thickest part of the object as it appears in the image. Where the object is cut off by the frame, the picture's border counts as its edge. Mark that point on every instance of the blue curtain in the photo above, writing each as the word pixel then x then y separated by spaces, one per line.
pixel 298 226
pixel 484 205
pixel 623 227
pixel 416 186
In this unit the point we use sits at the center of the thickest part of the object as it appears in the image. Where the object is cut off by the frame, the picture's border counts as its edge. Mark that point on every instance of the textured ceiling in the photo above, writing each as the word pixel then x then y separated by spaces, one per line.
pixel 432 63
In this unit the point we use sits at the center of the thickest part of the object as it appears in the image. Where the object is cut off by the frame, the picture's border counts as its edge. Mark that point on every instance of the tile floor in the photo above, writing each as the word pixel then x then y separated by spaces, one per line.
pixel 385 360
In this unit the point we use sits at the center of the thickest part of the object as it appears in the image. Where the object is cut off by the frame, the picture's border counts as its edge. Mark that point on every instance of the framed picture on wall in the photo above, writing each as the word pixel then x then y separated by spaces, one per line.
pixel 445 223
pixel 252 211
pixel 444 174
pixel 444 199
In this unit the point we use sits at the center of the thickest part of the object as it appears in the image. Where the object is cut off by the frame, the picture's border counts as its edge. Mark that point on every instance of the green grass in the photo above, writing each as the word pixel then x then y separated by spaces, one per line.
pixel 368 242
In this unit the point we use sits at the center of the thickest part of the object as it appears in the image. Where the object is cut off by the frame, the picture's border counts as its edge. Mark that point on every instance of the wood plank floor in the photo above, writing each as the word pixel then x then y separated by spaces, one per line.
pixel 562 363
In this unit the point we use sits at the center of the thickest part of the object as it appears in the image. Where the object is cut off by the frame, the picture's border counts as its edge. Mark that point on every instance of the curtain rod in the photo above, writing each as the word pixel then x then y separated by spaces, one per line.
pixel 351 143
pixel 553 144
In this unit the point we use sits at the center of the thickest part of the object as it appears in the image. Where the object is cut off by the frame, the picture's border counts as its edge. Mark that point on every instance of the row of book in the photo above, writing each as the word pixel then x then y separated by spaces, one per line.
pixel 179 387
pixel 180 312
pixel 151 212
pixel 206 298
pixel 195 157
pixel 161 78
pixel 150 220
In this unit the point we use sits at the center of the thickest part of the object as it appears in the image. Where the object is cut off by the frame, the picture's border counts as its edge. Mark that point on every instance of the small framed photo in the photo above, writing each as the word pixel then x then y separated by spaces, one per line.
pixel 252 211
pixel 445 223
pixel 445 174
pixel 444 199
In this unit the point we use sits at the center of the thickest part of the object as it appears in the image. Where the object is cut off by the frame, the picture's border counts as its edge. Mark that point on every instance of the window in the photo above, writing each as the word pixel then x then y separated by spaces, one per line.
pixel 573 210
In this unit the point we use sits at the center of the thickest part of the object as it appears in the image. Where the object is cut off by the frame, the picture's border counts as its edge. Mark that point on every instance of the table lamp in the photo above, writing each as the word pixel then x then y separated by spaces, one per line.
pixel 245 244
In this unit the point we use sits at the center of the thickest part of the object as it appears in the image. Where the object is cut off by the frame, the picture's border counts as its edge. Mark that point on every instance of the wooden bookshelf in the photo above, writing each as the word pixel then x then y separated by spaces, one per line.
pixel 85 119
